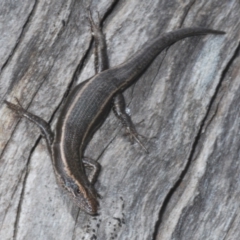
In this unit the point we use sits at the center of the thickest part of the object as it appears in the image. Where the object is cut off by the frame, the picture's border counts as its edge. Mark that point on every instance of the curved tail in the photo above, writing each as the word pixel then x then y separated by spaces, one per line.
pixel 127 72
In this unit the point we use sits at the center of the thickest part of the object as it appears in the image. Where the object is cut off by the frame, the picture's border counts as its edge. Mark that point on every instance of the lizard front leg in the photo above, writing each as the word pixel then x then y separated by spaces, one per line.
pixel 41 123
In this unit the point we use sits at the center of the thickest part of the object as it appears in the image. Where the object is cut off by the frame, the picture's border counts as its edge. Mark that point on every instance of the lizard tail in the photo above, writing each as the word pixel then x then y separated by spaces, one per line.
pixel 128 71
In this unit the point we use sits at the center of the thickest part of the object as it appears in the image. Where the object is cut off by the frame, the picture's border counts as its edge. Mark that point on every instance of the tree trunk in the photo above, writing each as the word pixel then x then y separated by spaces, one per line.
pixel 186 104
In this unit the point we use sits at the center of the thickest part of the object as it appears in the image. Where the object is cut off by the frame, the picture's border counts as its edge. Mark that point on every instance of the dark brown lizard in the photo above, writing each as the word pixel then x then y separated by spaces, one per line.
pixel 88 106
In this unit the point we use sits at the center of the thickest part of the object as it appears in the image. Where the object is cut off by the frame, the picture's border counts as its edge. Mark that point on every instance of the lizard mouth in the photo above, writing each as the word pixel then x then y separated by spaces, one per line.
pixel 87 202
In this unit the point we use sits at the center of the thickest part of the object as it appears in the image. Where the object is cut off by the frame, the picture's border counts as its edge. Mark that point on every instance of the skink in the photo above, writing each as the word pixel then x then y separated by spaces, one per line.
pixel 87 107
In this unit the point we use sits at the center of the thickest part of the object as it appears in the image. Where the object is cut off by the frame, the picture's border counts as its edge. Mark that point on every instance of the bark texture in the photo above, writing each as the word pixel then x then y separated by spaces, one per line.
pixel 187 104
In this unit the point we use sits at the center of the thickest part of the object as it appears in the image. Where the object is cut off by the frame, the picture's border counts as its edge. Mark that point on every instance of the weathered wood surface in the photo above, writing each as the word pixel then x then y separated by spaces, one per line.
pixel 187 104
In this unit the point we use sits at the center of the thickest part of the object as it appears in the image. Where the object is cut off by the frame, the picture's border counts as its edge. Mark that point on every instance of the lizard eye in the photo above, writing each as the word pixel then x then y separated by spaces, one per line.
pixel 76 192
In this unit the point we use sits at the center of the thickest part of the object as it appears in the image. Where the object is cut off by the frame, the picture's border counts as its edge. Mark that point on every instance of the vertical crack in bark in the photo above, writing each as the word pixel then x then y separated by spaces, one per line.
pixel 65 22
pixel 195 143
pixel 6 144
pixel 106 147
pixel 230 226
pixel 74 229
pixel 19 208
pixel 212 116
pixel 9 205
pixel 21 36
pixel 109 10
pixel 186 12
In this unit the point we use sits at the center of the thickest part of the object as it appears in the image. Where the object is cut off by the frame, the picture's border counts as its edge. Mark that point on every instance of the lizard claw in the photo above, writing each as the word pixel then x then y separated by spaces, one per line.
pixel 18 108
pixel 134 136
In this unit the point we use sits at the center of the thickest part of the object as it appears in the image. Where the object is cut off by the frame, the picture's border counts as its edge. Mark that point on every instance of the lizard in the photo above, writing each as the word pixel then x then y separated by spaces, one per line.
pixel 86 108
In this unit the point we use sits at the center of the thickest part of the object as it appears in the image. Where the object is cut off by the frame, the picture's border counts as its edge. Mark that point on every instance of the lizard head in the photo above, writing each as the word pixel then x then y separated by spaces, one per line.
pixel 84 197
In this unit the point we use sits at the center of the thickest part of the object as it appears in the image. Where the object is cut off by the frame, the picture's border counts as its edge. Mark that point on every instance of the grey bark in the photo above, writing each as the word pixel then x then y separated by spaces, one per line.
pixel 186 104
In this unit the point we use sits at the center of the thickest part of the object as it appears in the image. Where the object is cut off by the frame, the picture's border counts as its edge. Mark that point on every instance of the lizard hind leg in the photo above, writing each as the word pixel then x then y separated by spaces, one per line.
pixel 119 109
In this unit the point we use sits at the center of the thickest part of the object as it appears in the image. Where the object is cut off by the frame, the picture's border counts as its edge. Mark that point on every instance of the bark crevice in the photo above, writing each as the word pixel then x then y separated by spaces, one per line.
pixel 195 144
pixel 19 207
pixel 21 36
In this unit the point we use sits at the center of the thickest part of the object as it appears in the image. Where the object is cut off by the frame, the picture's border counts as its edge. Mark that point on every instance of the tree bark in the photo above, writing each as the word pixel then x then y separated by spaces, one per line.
pixel 186 104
